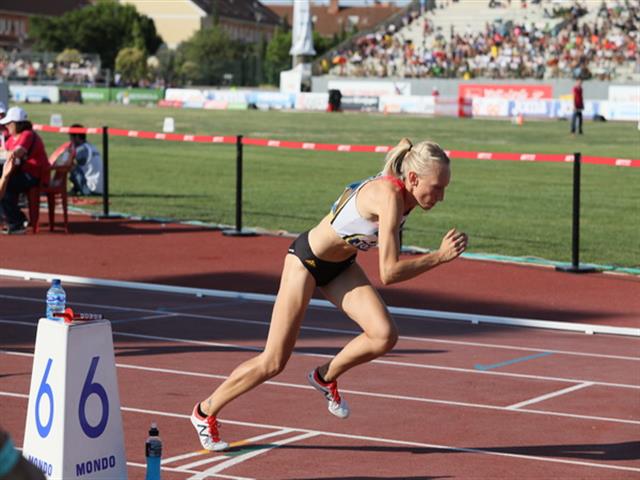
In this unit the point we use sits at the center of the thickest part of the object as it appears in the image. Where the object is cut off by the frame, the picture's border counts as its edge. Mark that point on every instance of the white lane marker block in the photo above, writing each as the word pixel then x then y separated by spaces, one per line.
pixel 74 422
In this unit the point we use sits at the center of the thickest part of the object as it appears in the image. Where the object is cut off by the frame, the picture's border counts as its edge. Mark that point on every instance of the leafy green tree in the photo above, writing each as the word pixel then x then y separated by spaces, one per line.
pixel 208 55
pixel 131 64
pixel 105 28
pixel 277 56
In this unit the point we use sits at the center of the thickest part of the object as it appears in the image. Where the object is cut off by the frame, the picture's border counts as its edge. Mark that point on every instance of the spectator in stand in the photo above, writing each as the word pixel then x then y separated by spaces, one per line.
pixel 26 150
pixel 86 176
pixel 578 106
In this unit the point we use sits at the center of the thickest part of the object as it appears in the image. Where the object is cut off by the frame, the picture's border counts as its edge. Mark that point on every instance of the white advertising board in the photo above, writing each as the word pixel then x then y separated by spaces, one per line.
pixel 312 101
pixel 370 88
pixel 34 94
pixel 421 104
pixel 490 107
pixel 625 94
pixel 74 426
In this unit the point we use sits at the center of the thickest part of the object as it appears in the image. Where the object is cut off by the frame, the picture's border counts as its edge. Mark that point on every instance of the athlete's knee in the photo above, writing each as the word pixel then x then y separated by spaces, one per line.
pixel 384 339
pixel 272 365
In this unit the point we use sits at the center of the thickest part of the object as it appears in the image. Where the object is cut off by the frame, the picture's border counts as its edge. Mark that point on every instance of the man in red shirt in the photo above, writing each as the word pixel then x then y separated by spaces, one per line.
pixel 26 149
pixel 578 106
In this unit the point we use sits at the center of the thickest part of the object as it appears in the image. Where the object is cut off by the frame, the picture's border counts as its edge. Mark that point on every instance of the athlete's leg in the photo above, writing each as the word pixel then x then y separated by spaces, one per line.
pixel 296 288
pixel 352 293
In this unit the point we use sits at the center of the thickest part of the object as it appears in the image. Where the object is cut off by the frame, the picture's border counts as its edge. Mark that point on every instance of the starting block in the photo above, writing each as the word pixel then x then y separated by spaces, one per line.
pixel 74 423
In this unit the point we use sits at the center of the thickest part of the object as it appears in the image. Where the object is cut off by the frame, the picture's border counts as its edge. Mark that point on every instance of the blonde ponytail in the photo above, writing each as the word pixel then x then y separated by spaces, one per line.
pixel 420 158
pixel 394 158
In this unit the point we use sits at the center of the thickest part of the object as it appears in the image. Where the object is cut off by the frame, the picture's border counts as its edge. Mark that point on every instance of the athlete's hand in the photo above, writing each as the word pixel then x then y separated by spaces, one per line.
pixel 453 244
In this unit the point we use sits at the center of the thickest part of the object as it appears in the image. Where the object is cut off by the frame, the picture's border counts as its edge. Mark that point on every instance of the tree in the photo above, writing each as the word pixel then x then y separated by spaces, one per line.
pixel 207 56
pixel 104 28
pixel 277 57
pixel 131 64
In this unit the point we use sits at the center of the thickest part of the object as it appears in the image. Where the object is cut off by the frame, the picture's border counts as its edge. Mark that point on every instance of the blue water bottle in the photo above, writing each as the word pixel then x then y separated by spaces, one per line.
pixel 153 452
pixel 56 300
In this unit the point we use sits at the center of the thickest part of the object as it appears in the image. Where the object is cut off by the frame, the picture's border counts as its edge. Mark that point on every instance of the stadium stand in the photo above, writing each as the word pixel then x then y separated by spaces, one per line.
pixel 511 39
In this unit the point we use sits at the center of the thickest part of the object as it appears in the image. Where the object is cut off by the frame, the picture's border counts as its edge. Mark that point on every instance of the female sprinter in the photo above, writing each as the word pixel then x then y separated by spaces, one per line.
pixel 368 213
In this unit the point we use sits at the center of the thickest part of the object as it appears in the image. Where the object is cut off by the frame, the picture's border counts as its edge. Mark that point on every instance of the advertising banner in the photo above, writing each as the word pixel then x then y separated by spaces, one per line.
pixel 420 104
pixel 490 107
pixel 625 94
pixel 94 95
pixel 370 88
pixel 34 94
pixel 621 111
pixel 184 94
pixel 360 103
pixel 271 100
pixel 506 91
pixel 312 101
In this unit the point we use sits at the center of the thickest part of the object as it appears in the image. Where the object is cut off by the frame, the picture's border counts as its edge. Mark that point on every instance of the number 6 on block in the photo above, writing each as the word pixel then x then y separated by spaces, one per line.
pixel 44 389
pixel 88 389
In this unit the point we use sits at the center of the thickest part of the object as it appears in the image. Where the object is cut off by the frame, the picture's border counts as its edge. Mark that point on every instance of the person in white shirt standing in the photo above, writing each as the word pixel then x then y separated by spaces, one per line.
pixel 86 176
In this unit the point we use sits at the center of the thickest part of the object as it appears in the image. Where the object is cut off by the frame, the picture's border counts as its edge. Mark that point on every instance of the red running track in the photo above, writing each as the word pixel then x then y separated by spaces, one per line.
pixel 572 410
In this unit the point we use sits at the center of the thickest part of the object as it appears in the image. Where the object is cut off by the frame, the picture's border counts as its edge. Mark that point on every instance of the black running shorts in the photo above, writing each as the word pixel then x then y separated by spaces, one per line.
pixel 321 270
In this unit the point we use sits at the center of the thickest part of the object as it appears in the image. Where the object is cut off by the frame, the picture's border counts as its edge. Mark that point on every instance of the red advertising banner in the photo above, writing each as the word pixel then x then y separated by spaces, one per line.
pixel 506 91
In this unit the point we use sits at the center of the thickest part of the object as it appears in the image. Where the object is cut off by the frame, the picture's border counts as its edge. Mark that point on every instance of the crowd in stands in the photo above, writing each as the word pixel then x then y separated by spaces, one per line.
pixel 38 68
pixel 572 47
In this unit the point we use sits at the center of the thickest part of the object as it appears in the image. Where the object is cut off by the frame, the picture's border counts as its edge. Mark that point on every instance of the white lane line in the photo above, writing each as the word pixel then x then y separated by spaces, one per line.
pixel 249 455
pixel 148 317
pixel 379 439
pixel 541 398
pixel 415 312
pixel 343 331
pixel 240 444
pixel 377 361
pixel 181 470
pixel 381 395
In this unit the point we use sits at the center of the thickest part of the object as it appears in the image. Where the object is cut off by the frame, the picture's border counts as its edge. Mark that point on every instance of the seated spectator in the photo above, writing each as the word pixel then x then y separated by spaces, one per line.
pixel 26 149
pixel 4 133
pixel 86 176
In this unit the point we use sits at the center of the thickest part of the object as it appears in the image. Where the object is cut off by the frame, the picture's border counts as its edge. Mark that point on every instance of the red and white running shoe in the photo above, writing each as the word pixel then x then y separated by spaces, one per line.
pixel 337 405
pixel 207 428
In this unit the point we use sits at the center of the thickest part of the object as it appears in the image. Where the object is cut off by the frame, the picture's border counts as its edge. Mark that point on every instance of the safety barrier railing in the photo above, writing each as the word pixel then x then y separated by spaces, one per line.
pixel 239 140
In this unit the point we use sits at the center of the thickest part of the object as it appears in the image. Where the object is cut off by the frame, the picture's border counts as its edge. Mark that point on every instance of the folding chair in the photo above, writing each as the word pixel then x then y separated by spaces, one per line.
pixel 61 162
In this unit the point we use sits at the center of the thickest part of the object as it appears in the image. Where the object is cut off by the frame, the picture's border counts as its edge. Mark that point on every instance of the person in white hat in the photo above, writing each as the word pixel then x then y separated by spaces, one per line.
pixel 4 133
pixel 25 149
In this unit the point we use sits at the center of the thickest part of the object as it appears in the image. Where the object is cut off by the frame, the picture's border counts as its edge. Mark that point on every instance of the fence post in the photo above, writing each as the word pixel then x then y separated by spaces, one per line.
pixel 239 232
pixel 105 176
pixel 575 229
pixel 105 171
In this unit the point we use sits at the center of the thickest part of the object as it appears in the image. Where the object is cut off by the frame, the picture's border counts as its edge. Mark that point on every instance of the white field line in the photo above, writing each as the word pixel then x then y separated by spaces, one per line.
pixel 199 292
pixel 181 470
pixel 221 455
pixel 377 361
pixel 333 330
pixel 541 398
pixel 386 440
pixel 249 455
pixel 379 395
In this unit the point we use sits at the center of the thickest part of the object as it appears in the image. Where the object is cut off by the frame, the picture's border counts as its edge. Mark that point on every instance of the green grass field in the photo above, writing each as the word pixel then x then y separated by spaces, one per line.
pixel 507 208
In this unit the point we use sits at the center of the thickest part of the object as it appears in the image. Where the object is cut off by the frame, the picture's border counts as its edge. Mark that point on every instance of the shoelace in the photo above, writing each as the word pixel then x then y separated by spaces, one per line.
pixel 213 428
pixel 333 388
